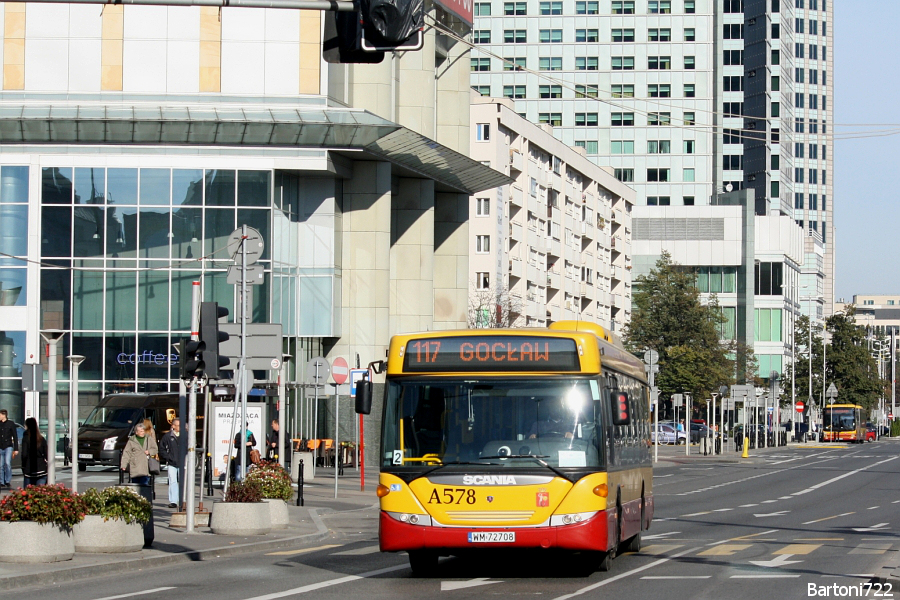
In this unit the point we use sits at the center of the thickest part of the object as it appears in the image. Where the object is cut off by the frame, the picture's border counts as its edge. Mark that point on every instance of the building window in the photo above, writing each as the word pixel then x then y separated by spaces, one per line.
pixel 590 147
pixel 732 162
pixel 659 35
pixel 690 118
pixel 554 119
pixel 734 6
pixel 482 281
pixel 768 279
pixel 688 175
pixel 514 36
pixel 687 200
pixel 813 51
pixel 585 91
pixel 731 136
pixel 482 244
pixel 776 57
pixel 814 27
pixel 659 146
pixel 482 207
pixel 798 25
pixel 481 36
pixel 659 200
pixel 689 62
pixel 768 329
pixel 776 31
pixel 591 7
pixel 690 7
pixel 515 8
pixel 813 202
pixel 482 9
pixel 733 31
pixel 659 90
pixel 586 119
pixel 798 201
pixel 775 162
pixel 625 175
pixel 550 36
pixel 689 146
pixel 799 100
pixel 775 109
pixel 774 190
pixel 515 64
pixel 813 77
pixel 814 151
pixel 550 91
pixel 659 7
pixel 733 57
pixel 551 8
pixel 553 63
pixel 659 118
pixel 623 91
pixel 689 90
pixel 622 35
pixel 480 64
pixel 690 34
pixel 732 83
pixel 514 91
pixel 621 147
pixel 618 119
pixel 733 109
pixel 659 175
pixel 622 63
pixel 776 83
pixel 587 35
pixel 484 90
pixel 586 63
pixel 623 7
pixel 661 63
pixel 798 175
pixel 483 132
pixel 776 135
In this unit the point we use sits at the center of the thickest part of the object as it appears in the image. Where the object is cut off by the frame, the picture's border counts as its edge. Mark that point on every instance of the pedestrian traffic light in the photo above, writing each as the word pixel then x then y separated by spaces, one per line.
pixel 190 360
pixel 211 337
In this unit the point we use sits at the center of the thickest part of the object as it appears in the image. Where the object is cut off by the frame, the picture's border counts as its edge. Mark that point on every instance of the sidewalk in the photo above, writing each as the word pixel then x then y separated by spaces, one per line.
pixel 173 545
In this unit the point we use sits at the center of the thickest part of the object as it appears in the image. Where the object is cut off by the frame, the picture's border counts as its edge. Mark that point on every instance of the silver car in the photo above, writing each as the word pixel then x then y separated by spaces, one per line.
pixel 667 434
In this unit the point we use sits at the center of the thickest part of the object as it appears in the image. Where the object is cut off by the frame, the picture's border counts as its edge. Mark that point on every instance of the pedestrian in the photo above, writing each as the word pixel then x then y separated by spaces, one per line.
pixel 9 447
pixel 169 452
pixel 136 455
pixel 681 425
pixel 272 443
pixel 248 446
pixel 148 427
pixel 34 454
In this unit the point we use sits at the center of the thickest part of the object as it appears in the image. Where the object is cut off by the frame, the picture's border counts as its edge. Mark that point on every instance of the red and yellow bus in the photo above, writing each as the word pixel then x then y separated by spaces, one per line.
pixel 844 423
pixel 514 438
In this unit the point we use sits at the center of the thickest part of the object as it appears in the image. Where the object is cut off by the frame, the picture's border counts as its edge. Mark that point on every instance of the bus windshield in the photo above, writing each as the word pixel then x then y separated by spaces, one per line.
pixel 112 417
pixel 492 422
pixel 840 419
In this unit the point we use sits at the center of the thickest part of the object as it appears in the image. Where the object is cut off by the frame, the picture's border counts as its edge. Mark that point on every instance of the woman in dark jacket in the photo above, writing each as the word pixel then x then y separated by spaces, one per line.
pixel 34 454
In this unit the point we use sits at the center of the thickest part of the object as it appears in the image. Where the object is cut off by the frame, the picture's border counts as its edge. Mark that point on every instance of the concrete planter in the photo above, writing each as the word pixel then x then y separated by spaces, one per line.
pixel 30 542
pixel 278 512
pixel 94 535
pixel 241 518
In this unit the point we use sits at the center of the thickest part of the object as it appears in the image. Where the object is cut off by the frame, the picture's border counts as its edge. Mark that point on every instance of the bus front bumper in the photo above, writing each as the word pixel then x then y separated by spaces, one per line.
pixel 592 534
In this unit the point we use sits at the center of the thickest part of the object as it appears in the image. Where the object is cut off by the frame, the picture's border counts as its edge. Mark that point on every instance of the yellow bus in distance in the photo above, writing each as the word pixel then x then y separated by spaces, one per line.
pixel 513 438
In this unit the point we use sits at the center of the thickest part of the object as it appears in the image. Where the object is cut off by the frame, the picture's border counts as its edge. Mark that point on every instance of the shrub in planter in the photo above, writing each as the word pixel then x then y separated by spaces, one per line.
pixel 36 524
pixel 244 491
pixel 117 503
pixel 242 513
pixel 273 480
pixel 114 521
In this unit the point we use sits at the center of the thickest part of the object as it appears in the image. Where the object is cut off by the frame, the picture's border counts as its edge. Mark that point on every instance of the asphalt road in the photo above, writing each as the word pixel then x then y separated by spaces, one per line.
pixel 805 516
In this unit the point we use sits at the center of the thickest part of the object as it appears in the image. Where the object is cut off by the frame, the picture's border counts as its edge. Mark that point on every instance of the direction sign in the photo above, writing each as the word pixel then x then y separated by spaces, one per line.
pixel 252 275
pixel 355 375
pixel 317 370
pixel 832 391
pixel 799 406
pixel 340 370
pixel 651 357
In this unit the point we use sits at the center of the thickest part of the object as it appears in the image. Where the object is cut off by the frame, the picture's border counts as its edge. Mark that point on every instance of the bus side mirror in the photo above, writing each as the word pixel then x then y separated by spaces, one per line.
pixel 621 414
pixel 363 397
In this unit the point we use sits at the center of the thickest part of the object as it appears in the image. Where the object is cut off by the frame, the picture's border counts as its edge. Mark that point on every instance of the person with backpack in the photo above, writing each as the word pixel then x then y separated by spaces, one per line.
pixel 169 452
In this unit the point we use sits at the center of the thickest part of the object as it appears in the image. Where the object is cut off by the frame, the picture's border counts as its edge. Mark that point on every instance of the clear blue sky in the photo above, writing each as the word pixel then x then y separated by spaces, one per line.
pixel 867 170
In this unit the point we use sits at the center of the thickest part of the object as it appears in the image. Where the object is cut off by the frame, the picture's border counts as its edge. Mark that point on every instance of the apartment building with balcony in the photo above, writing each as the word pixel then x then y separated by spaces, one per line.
pixel 557 240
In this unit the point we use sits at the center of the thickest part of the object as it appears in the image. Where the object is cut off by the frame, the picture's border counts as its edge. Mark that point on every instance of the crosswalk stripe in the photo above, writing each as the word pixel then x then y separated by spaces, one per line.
pixel 724 549
pixel 871 549
pixel 659 549
pixel 798 549
pixel 359 551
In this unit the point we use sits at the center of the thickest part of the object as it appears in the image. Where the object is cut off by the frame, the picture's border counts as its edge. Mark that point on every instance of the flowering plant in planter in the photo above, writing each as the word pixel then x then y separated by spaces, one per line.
pixel 244 492
pixel 273 480
pixel 117 503
pixel 54 504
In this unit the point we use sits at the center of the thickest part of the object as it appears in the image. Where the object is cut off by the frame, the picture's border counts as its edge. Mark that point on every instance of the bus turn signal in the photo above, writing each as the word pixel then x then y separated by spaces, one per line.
pixel 601 490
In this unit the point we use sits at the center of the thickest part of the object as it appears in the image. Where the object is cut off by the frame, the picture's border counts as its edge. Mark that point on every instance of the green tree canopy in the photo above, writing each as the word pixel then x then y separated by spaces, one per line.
pixel 668 317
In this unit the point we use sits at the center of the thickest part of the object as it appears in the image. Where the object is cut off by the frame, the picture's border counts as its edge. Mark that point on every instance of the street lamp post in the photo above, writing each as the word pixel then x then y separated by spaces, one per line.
pixel 76 360
pixel 52 337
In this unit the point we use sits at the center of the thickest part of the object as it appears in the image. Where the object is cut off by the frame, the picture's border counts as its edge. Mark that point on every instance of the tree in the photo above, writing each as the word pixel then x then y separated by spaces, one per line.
pixel 493 308
pixel 668 317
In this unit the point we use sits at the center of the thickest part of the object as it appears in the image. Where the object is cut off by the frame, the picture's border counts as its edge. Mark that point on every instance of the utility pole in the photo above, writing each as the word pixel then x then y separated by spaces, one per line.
pixel 651 358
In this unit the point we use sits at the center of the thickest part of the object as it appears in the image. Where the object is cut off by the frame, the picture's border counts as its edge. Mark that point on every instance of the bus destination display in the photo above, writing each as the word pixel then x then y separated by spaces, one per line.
pixel 491 353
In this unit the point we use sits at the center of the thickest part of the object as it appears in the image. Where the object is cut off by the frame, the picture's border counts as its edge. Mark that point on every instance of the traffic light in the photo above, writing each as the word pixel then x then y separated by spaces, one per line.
pixel 621 412
pixel 376 27
pixel 190 360
pixel 211 337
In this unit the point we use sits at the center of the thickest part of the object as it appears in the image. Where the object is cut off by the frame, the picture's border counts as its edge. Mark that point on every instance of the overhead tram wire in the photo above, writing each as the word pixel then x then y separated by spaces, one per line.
pixel 657 102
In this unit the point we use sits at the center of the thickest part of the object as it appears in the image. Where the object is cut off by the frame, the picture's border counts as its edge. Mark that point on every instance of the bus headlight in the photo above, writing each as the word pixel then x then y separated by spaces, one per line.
pixel 571 518
pixel 411 519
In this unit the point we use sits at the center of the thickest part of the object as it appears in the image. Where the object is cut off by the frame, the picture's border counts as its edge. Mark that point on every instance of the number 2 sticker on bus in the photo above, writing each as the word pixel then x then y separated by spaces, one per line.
pixel 398 457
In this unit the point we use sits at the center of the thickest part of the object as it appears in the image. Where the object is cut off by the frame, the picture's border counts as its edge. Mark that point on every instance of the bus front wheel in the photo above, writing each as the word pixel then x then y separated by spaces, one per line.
pixel 423 562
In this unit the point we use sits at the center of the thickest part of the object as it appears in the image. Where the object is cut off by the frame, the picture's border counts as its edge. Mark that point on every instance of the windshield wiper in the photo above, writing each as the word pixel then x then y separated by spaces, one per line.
pixel 536 458
pixel 456 462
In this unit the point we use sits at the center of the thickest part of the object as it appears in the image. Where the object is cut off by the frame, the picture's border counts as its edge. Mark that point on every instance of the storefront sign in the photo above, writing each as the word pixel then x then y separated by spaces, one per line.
pixel 147 358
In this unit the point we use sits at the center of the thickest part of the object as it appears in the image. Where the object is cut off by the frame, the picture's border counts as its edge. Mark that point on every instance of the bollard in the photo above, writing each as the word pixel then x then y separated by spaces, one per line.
pixel 300 501
pixel 746 453
pixel 121 472
pixel 340 463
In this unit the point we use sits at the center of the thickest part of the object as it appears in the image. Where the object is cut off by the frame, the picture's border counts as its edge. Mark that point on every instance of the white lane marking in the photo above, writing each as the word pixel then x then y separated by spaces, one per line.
pixel 676 576
pixel 706 512
pixel 839 477
pixel 449 586
pixel 722 509
pixel 872 528
pixel 785 498
pixel 659 535
pixel 873 507
pixel 765 576
pixel 324 584
pixel 359 551
pixel 661 476
pixel 895 501
pixel 747 505
pixel 827 518
pixel 141 593
pixel 774 514
pixel 624 575
pixel 852 575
